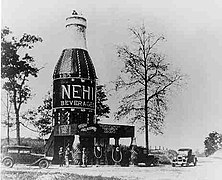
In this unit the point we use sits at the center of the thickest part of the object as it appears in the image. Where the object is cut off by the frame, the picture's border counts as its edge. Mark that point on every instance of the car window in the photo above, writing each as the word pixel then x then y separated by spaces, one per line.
pixel 184 153
pixel 12 150
pixel 24 151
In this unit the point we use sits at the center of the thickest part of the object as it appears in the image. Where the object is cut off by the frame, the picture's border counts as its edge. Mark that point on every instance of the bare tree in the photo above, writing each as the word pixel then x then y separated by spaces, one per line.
pixel 146 81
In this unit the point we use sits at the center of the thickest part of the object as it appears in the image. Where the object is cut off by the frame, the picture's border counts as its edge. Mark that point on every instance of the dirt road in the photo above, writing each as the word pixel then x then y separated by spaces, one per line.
pixel 206 169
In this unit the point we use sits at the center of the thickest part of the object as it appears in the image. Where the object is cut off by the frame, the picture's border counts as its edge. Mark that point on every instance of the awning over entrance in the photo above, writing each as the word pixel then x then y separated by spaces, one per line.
pixel 96 130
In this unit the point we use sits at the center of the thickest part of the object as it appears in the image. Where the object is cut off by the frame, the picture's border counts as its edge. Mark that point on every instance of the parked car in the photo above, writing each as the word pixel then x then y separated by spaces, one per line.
pixel 148 159
pixel 22 155
pixel 184 157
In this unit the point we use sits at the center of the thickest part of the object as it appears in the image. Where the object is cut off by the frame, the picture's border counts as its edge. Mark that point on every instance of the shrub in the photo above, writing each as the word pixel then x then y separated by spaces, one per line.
pixel 36 144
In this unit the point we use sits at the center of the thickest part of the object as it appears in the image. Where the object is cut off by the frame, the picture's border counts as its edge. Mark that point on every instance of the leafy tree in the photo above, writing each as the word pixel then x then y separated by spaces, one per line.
pixel 212 143
pixel 145 82
pixel 102 109
pixel 42 117
pixel 44 122
pixel 17 67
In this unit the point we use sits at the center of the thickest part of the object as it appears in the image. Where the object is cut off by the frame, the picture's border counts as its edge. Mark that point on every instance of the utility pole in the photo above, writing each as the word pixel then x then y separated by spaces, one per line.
pixel 8 110
pixel 8 107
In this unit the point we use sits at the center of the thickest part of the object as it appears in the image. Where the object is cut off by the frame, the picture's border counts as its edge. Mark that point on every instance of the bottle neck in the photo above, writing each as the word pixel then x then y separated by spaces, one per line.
pixel 76 36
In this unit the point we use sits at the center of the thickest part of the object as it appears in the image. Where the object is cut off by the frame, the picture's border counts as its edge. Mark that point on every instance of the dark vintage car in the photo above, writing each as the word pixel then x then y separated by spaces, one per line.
pixel 22 155
pixel 184 157
pixel 148 159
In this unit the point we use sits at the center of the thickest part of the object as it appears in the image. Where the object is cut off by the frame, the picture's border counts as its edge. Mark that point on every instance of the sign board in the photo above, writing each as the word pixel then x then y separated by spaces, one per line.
pixel 73 93
pixel 65 130
pixel 110 130
pixel 96 130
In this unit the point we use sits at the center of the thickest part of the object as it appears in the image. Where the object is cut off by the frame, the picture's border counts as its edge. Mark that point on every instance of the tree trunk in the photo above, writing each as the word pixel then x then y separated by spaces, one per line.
pixel 17 127
pixel 146 110
pixel 17 122
pixel 146 121
pixel 8 136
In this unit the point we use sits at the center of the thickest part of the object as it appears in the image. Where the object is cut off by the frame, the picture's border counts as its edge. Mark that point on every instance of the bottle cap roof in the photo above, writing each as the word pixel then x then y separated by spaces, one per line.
pixel 76 19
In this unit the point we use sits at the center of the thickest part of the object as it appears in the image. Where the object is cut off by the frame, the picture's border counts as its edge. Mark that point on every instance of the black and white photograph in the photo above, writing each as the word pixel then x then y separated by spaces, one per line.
pixel 111 90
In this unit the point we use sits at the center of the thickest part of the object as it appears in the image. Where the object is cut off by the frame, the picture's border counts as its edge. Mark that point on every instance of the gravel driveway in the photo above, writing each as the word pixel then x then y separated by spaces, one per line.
pixel 206 169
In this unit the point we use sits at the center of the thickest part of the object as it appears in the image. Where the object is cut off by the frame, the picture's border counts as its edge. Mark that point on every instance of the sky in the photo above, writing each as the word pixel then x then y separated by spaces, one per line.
pixel 193 30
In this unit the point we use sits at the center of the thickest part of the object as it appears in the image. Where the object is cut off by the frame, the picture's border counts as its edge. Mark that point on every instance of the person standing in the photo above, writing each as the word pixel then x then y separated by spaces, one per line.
pixel 84 157
pixel 67 153
pixel 61 157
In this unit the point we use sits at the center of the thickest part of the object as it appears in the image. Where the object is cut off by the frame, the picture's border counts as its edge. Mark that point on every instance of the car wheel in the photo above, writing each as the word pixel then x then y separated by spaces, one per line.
pixel 173 165
pixel 44 164
pixel 156 162
pixel 147 164
pixel 8 162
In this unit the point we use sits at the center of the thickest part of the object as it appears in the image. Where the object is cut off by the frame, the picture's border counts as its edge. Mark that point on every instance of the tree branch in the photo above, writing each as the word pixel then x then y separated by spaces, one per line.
pixel 28 127
pixel 156 41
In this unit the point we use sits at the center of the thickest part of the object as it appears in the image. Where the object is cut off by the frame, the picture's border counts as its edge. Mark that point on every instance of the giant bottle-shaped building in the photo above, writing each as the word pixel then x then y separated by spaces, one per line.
pixel 74 102
pixel 74 86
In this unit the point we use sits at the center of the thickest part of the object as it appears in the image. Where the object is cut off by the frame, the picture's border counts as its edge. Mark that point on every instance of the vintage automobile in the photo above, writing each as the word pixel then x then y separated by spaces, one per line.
pixel 148 159
pixel 184 157
pixel 22 155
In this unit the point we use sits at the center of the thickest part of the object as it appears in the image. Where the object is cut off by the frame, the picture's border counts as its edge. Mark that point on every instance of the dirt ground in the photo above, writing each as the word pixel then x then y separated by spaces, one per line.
pixel 209 168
